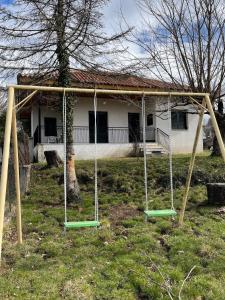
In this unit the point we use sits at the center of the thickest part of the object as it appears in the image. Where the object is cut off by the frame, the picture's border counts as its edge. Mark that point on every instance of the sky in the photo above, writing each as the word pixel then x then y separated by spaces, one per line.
pixel 112 12
pixel 119 14
pixel 113 15
pixel 6 1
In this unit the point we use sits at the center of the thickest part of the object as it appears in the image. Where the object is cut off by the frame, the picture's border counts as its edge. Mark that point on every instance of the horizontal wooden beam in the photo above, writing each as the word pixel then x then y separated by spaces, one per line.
pixel 104 91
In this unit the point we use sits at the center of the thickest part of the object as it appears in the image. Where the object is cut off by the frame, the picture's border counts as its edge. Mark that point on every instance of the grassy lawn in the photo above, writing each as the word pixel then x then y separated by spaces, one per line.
pixel 126 258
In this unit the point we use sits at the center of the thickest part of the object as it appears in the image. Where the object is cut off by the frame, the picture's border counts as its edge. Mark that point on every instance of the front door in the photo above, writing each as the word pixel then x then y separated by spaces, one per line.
pixel 150 128
pixel 102 127
pixel 50 126
pixel 134 127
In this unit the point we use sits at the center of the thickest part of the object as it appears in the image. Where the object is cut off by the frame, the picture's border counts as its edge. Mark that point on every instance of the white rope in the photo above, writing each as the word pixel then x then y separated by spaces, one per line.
pixel 96 162
pixel 64 145
pixel 144 149
pixel 170 154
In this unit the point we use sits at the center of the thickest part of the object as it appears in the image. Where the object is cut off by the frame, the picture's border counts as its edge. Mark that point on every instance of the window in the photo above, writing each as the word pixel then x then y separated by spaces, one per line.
pixel 50 127
pixel 149 119
pixel 102 126
pixel 179 120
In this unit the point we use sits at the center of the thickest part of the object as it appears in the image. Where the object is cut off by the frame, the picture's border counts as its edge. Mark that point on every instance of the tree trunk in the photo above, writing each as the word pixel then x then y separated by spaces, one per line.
pixel 52 158
pixel 73 190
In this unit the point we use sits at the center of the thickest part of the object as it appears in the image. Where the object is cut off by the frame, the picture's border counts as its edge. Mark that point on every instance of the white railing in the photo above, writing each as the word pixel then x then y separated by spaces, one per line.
pixel 114 135
pixel 118 135
pixel 162 138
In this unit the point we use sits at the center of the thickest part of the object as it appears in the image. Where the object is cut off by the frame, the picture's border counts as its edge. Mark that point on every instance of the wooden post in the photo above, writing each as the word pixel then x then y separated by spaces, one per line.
pixel 5 161
pixel 191 165
pixel 215 126
pixel 17 178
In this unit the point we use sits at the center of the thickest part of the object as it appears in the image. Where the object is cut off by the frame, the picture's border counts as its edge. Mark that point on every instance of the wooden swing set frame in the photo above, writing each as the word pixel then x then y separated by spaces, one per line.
pixel 11 127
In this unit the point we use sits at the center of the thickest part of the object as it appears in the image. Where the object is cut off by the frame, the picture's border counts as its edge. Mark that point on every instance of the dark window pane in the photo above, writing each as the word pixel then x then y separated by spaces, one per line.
pixel 149 119
pixel 102 127
pixel 179 120
pixel 50 127
pixel 134 127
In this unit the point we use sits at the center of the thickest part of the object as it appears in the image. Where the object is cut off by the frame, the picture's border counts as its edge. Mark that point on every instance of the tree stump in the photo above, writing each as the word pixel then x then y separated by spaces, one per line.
pixel 52 158
pixel 216 193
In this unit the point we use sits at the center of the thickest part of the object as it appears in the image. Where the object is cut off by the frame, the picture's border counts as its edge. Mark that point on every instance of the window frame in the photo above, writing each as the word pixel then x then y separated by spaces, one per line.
pixel 185 113
pixel 45 127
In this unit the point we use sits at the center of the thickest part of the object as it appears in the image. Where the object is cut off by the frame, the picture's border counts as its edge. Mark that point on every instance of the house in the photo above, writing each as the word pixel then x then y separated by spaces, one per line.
pixel 119 122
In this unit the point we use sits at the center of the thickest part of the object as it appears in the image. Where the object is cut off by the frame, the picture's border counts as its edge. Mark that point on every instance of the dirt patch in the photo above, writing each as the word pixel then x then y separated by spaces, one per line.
pixel 163 243
pixel 10 234
pixel 119 213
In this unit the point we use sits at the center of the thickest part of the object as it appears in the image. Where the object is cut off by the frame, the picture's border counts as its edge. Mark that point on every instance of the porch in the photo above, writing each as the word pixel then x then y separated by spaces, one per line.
pixel 85 135
pixel 119 128
pixel 119 142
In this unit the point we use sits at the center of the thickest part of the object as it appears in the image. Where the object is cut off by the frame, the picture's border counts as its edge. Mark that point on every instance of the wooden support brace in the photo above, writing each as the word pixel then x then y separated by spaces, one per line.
pixel 5 161
pixel 199 104
pixel 215 127
pixel 17 178
pixel 207 103
pixel 24 101
pixel 191 165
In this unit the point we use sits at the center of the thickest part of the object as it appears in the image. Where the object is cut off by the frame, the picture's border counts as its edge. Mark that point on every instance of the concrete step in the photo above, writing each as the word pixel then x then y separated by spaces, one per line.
pixel 150 145
pixel 153 148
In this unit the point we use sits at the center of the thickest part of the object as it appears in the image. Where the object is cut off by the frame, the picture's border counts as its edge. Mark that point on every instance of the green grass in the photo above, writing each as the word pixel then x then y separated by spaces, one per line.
pixel 126 258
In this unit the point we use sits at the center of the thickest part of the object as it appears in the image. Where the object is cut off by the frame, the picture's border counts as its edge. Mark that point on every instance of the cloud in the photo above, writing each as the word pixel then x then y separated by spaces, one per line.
pixel 121 14
pixel 114 11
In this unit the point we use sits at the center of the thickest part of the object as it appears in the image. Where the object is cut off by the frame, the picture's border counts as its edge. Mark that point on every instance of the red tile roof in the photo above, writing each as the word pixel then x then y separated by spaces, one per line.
pixel 114 79
pixel 88 78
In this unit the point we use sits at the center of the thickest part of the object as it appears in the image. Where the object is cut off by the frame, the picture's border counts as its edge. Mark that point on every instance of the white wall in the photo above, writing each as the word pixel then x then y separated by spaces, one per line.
pixel 46 112
pixel 86 151
pixel 117 111
pixel 182 140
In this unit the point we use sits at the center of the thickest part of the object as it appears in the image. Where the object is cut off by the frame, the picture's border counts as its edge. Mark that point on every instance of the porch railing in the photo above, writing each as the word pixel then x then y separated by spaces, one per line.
pixel 81 135
pixel 162 138
pixel 115 135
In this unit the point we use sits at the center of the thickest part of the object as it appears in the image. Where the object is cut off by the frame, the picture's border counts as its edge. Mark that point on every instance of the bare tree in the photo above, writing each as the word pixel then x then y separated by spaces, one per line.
pixel 55 35
pixel 183 41
pixel 2 100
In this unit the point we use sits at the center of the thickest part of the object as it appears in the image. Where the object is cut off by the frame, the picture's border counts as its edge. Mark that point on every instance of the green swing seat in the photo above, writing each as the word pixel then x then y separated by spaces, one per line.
pixel 81 224
pixel 160 213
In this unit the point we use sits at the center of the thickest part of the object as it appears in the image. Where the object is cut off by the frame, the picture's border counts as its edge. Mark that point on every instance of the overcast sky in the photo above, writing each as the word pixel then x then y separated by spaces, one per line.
pixel 112 13
pixel 121 13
